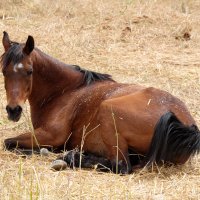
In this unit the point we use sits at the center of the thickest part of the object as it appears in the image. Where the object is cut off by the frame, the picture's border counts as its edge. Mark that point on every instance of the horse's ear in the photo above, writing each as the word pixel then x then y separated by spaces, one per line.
pixel 29 46
pixel 6 41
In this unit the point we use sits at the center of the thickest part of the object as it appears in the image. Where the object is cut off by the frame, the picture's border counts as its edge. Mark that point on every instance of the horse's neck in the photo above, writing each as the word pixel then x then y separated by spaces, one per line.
pixel 51 78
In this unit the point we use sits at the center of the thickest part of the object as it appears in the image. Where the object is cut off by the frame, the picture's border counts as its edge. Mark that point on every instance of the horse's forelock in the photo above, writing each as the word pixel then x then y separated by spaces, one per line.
pixel 14 54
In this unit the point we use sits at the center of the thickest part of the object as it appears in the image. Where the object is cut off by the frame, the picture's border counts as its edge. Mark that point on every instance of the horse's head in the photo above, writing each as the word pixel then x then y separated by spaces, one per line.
pixel 17 70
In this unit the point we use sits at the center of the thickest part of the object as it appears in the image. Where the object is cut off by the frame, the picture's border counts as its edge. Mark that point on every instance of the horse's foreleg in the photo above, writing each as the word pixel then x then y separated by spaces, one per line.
pixel 34 140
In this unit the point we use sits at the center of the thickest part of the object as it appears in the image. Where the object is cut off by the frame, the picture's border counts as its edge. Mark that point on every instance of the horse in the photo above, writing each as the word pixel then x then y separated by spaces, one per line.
pixel 72 107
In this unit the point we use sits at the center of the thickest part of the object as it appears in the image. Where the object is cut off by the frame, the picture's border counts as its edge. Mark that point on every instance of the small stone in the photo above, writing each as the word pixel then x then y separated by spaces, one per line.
pixel 44 152
pixel 59 165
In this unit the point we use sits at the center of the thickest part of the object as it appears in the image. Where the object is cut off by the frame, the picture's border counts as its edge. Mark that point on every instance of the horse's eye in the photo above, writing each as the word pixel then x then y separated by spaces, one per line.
pixel 29 72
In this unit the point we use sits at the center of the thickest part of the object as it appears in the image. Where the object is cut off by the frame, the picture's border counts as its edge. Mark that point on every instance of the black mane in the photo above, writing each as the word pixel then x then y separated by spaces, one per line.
pixel 14 54
pixel 90 76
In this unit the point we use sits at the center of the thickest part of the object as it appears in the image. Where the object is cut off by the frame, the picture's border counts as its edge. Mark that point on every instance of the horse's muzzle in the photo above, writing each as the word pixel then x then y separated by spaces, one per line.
pixel 14 114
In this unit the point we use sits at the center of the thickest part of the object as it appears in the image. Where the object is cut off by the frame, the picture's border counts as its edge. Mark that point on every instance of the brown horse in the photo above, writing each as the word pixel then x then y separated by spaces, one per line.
pixel 79 108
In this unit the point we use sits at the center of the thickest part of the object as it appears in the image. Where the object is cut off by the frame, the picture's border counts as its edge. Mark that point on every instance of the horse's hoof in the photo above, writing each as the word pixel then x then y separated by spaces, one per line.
pixel 44 152
pixel 10 144
pixel 58 165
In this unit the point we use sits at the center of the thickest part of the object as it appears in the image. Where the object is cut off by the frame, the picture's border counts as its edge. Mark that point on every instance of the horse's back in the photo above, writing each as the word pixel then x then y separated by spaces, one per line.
pixel 151 101
pixel 136 114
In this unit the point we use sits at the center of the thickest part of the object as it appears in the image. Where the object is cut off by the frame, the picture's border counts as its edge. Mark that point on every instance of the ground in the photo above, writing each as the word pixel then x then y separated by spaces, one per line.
pixel 153 43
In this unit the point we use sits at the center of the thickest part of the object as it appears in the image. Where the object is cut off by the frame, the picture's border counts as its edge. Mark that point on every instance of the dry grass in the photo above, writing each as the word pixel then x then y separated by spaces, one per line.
pixel 146 42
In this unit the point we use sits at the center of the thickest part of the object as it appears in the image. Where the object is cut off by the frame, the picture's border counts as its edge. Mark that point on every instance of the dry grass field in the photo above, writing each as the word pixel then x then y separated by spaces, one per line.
pixel 150 42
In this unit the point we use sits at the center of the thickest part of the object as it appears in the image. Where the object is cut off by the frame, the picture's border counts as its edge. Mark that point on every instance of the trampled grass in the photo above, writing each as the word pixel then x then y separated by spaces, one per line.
pixel 153 43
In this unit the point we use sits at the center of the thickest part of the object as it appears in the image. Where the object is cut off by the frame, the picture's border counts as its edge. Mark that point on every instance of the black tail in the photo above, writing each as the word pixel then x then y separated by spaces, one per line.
pixel 173 141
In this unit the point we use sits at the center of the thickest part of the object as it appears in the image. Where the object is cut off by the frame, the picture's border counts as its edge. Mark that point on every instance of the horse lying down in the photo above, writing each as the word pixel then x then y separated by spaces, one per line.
pixel 70 105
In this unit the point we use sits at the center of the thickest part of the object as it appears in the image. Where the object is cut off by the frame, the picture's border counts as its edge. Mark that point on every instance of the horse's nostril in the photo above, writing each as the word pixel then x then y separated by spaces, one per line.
pixel 17 109
pixel 14 113
pixel 8 109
